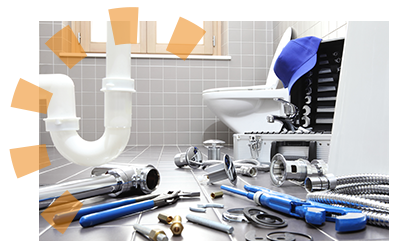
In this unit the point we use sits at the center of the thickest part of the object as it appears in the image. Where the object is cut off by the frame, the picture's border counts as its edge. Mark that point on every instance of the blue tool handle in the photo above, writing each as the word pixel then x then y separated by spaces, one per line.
pixel 114 213
pixel 237 191
pixel 269 191
pixel 278 203
pixel 65 217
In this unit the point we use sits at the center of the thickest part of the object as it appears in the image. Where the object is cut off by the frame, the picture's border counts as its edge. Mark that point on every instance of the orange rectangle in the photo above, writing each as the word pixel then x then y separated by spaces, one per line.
pixel 124 23
pixel 185 38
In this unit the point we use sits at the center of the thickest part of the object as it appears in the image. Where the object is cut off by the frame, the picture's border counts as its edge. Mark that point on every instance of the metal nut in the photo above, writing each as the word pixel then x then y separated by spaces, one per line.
pixel 176 225
pixel 165 218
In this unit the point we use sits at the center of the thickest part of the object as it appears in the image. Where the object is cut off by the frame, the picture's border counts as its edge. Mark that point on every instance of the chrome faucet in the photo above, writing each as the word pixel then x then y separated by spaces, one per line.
pixel 291 112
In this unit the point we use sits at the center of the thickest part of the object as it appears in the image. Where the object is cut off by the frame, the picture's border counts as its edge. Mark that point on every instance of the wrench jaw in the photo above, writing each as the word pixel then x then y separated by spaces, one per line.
pixel 347 222
pixel 350 222
pixel 315 216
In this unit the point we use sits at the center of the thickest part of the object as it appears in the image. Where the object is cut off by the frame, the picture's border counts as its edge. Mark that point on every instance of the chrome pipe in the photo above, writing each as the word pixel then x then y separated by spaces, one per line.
pixel 111 179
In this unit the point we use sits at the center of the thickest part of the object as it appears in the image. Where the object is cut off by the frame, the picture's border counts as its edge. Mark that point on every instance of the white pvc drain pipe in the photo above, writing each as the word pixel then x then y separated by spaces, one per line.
pixel 63 124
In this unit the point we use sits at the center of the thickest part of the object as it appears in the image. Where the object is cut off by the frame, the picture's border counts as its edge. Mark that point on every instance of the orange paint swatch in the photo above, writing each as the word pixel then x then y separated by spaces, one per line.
pixel 185 37
pixel 31 97
pixel 124 23
pixel 29 159
pixel 66 46
pixel 64 204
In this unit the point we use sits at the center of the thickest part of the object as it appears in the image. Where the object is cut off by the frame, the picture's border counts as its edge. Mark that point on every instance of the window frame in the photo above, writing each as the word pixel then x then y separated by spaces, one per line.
pixel 148 38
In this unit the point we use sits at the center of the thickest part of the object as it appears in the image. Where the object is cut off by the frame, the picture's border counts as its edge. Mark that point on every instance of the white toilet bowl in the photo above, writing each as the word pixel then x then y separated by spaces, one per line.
pixel 244 109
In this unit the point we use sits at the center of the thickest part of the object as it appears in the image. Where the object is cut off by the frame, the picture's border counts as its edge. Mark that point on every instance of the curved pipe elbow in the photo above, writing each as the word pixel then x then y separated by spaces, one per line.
pixel 91 153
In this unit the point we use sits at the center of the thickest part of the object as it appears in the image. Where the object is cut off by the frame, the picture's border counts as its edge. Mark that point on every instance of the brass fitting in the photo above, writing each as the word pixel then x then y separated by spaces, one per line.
pixel 176 225
pixel 165 218
pixel 158 235
pixel 217 194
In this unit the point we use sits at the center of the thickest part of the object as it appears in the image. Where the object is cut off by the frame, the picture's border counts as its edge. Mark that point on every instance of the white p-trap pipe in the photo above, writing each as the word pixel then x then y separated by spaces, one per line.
pixel 63 124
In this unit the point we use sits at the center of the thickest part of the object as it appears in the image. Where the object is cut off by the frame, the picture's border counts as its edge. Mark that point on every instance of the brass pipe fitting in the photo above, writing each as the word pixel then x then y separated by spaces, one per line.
pixel 158 235
pixel 217 194
pixel 176 225
pixel 165 218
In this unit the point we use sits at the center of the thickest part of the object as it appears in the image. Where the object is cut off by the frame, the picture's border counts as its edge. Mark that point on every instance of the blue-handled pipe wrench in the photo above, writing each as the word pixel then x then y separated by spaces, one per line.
pixel 346 219
pixel 91 216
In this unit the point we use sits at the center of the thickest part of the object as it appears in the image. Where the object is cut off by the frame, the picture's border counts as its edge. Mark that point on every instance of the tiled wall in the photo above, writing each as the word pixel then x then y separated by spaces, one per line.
pixel 168 108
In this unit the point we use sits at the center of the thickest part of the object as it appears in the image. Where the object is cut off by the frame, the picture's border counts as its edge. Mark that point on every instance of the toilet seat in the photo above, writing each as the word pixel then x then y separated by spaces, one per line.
pixel 257 87
pixel 258 91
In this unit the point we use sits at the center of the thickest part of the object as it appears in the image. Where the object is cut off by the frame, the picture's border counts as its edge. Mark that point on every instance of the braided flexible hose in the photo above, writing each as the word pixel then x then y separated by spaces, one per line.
pixel 376 197
pixel 363 178
pixel 360 188
pixel 346 200
pixel 366 192
pixel 377 219
pixel 377 212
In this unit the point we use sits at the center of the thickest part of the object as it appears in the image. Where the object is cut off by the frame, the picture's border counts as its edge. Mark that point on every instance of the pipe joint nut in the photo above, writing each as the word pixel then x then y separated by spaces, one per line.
pixel 176 225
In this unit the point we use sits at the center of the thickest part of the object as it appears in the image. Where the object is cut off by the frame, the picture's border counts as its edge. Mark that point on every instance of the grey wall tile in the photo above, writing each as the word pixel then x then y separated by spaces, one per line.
pixel 168 107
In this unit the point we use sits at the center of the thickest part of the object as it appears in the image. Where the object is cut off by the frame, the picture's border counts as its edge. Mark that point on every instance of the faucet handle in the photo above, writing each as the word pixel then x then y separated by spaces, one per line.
pixel 290 109
pixel 270 118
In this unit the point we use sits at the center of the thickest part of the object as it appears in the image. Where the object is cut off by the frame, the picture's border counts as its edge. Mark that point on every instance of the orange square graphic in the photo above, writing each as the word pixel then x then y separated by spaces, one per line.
pixel 31 97
pixel 27 160
pixel 65 203
pixel 66 46
pixel 124 23
pixel 185 37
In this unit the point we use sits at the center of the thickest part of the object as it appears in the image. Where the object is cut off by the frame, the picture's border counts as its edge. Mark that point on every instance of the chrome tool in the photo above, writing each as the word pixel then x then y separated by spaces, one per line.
pixel 282 169
pixel 113 179
pixel 210 223
pixel 151 234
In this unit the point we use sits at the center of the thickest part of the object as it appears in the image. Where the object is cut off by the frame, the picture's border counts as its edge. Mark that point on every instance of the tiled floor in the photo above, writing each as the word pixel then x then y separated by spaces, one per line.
pixel 185 179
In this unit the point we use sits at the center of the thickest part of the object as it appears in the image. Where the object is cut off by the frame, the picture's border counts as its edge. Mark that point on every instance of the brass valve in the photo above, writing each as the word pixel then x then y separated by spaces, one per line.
pixel 176 225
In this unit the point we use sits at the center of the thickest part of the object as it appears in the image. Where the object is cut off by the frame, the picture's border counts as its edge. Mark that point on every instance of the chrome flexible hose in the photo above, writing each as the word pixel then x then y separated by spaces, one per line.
pixel 346 200
pixel 376 197
pixel 377 212
pixel 363 178
pixel 366 192
pixel 360 188
pixel 376 218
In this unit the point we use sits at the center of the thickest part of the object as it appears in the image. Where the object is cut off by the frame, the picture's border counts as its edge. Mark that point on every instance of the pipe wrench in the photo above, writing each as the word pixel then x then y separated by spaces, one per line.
pixel 346 219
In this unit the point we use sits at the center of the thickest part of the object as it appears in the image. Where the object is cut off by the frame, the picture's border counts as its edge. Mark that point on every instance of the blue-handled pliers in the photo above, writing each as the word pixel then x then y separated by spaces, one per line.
pixel 346 219
pixel 93 215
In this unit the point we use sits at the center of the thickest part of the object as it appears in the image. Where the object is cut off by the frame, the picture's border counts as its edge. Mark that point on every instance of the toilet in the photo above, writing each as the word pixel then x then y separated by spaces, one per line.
pixel 244 109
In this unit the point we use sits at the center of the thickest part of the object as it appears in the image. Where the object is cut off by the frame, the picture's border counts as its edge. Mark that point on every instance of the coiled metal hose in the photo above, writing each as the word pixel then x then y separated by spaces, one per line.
pixel 367 192
pixel 363 178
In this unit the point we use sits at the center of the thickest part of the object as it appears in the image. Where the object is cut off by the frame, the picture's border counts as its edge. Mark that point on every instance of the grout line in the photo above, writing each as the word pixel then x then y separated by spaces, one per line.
pixel 326 234
pixel 46 171
pixel 73 175
pixel 139 154
pixel 159 157
pixel 45 230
